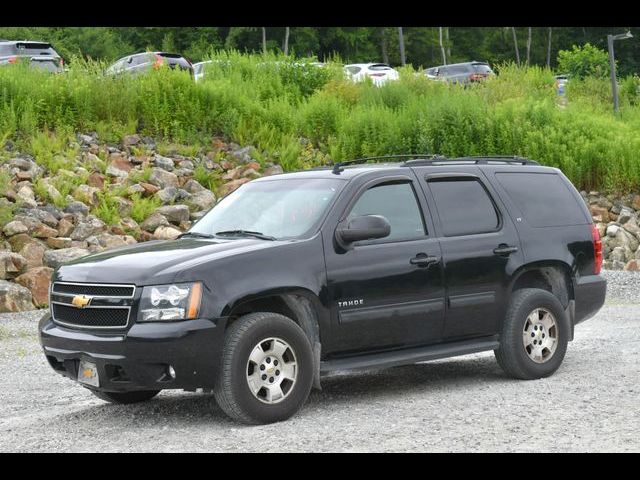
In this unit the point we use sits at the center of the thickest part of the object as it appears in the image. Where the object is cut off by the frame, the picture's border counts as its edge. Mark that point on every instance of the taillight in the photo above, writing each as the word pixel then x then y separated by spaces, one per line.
pixel 597 249
pixel 158 63
pixel 13 60
pixel 61 61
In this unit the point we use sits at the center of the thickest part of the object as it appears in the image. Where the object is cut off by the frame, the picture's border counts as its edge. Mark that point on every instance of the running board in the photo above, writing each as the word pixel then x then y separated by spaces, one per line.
pixel 411 355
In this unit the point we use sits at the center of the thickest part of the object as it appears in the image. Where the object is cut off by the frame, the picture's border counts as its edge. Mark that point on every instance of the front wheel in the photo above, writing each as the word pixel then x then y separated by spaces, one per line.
pixel 266 371
pixel 534 336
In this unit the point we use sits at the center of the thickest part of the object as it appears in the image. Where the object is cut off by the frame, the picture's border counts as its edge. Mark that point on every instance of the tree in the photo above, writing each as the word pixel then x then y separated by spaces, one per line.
pixel 529 46
pixel 285 49
pixel 549 49
pixel 264 40
pixel 383 46
pixel 515 42
pixel 444 55
pixel 403 59
pixel 584 61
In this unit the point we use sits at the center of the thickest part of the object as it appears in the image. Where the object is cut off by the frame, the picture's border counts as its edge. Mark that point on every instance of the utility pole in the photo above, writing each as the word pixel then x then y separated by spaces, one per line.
pixel 612 66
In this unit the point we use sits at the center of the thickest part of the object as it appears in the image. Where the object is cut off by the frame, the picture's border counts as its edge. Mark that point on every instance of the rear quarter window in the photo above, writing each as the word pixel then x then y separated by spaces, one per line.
pixel 544 199
pixel 464 206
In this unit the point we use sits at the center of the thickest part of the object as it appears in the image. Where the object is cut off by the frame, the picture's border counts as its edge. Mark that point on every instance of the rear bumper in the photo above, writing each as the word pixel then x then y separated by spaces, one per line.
pixel 139 359
pixel 590 292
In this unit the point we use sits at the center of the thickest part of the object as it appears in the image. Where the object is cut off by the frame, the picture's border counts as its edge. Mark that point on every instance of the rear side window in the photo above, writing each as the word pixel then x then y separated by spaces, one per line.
pixel 544 199
pixel 482 68
pixel 458 69
pixel 464 206
pixel 396 202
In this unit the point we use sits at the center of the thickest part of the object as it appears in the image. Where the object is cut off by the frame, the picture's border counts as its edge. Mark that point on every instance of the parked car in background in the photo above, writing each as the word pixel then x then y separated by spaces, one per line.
pixel 379 73
pixel 147 61
pixel 463 73
pixel 198 70
pixel 38 54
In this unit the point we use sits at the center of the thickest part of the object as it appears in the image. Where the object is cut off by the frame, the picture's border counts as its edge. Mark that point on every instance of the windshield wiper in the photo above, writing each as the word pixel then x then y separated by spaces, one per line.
pixel 196 235
pixel 245 233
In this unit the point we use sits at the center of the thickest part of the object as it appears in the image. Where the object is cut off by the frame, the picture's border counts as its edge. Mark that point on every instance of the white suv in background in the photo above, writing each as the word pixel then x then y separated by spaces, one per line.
pixel 379 73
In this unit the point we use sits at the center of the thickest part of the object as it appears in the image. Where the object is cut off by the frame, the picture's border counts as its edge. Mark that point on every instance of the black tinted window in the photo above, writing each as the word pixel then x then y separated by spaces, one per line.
pixel 482 68
pixel 457 69
pixel 464 206
pixel 543 198
pixel 398 204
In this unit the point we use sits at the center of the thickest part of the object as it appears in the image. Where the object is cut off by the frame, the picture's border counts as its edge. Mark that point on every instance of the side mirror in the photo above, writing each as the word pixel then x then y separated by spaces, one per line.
pixel 365 227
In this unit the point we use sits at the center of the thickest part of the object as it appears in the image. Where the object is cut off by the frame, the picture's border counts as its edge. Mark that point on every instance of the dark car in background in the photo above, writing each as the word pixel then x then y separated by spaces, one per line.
pixel 463 73
pixel 38 54
pixel 147 61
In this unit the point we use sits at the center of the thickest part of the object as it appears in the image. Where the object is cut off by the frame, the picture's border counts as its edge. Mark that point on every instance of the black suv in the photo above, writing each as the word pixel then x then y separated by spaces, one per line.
pixel 38 54
pixel 148 61
pixel 350 267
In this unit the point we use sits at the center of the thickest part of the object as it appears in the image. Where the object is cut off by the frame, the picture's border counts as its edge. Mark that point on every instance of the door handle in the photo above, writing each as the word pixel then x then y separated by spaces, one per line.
pixel 424 260
pixel 504 249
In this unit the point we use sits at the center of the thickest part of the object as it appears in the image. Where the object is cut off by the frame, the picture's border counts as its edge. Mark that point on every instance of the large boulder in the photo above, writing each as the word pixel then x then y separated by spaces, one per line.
pixel 163 179
pixel 166 233
pixel 11 264
pixel 87 195
pixel 154 221
pixel 33 253
pixel 37 280
pixel 14 298
pixel 55 258
pixel 87 228
pixel 202 200
pixel 174 213
pixel 163 162
pixel 14 227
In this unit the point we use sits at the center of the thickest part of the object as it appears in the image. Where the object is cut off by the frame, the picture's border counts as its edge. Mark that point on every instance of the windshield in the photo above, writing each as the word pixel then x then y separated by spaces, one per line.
pixel 276 208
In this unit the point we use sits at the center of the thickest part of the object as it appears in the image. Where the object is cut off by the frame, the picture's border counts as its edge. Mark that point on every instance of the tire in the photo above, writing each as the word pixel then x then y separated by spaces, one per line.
pixel 126 397
pixel 250 342
pixel 528 317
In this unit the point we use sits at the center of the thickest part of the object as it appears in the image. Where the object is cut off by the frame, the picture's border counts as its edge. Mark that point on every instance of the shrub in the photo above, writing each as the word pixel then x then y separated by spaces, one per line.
pixel 142 207
pixel 584 61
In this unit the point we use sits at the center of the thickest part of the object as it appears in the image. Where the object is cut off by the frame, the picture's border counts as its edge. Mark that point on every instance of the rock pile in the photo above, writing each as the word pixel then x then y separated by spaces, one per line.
pixel 39 236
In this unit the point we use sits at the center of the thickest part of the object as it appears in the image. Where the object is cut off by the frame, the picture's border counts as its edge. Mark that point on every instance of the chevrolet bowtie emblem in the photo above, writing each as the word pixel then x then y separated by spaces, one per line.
pixel 81 301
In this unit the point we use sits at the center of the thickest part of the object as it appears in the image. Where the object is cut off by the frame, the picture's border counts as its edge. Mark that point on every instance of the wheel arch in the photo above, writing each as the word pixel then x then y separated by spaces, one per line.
pixel 300 305
pixel 554 276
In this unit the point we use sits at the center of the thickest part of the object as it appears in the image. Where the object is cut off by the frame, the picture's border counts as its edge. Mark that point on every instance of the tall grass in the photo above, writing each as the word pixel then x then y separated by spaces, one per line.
pixel 273 102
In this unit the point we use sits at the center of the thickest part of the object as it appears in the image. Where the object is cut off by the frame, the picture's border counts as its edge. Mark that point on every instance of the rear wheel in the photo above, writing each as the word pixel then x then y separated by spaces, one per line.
pixel 126 397
pixel 534 336
pixel 266 370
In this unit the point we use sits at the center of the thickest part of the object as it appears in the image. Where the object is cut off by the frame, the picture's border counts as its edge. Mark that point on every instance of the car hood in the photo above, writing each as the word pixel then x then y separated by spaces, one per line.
pixel 156 262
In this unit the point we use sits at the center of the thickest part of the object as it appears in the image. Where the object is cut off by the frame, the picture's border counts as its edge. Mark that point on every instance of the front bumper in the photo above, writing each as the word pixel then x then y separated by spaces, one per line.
pixel 139 358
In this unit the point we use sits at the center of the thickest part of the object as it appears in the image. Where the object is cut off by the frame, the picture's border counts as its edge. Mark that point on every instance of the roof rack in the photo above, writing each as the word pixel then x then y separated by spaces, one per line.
pixel 477 160
pixel 338 167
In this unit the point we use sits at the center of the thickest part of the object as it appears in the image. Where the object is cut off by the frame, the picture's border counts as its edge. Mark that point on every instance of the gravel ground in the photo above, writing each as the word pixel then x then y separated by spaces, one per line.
pixel 462 404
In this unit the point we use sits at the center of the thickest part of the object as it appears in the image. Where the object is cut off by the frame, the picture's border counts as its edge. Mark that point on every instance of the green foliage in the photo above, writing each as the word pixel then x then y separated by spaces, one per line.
pixel 300 116
pixel 143 175
pixel 584 61
pixel 143 207
pixel 107 209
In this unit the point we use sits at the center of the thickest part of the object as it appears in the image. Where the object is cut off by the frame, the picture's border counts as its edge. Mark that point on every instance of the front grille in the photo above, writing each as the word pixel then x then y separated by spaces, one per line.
pixel 90 317
pixel 122 291
pixel 109 305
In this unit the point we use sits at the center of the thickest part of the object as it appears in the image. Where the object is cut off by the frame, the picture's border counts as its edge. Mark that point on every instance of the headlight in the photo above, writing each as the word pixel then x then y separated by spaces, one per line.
pixel 180 301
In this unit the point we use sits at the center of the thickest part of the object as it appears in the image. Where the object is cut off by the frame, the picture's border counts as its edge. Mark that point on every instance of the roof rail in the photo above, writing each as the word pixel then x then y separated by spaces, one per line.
pixel 477 160
pixel 338 166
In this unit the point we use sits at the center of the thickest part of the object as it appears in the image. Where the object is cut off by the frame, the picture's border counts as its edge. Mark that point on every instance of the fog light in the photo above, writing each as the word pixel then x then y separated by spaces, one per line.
pixel 171 372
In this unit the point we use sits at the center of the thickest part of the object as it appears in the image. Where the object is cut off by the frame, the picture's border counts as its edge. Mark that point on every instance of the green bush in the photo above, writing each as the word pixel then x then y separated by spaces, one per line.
pixel 584 61
pixel 279 105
